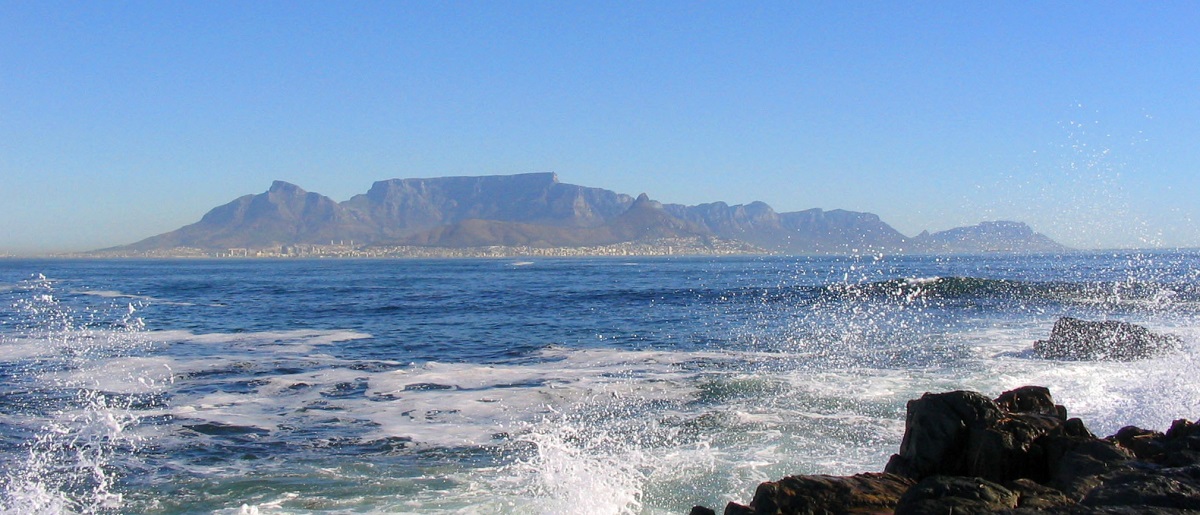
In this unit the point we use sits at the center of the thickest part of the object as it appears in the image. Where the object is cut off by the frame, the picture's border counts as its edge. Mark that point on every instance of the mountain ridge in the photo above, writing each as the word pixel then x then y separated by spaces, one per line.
pixel 537 210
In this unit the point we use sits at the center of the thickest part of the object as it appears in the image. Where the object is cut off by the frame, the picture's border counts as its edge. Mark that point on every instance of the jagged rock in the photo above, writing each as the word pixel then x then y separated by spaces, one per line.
pixel 1017 454
pixel 862 493
pixel 1174 488
pixel 1075 339
pixel 1075 463
pixel 1179 447
pixel 955 494
pixel 966 434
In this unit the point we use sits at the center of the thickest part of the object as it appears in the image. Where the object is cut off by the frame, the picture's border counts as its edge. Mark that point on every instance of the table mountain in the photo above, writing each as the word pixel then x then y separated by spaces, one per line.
pixel 539 211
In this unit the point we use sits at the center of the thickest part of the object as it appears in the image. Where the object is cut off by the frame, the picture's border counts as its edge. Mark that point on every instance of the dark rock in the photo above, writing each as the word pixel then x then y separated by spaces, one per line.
pixel 1037 496
pixel 959 495
pixel 862 493
pixel 966 434
pixel 1030 399
pixel 963 453
pixel 1179 447
pixel 1075 464
pixel 701 510
pixel 1075 339
pixel 1175 488
pixel 1145 444
pixel 937 432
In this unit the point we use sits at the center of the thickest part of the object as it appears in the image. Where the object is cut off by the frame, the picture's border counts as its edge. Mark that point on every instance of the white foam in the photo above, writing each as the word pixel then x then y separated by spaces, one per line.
pixel 130 375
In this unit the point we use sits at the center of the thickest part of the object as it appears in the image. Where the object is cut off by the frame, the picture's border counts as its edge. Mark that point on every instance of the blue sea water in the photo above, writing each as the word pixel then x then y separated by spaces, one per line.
pixel 533 386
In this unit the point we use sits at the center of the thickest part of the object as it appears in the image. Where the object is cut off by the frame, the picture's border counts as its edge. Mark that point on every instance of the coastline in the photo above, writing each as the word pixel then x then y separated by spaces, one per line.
pixel 1019 453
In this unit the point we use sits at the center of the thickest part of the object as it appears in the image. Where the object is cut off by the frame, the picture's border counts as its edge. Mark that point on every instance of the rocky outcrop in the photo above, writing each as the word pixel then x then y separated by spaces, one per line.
pixel 1018 453
pixel 1075 339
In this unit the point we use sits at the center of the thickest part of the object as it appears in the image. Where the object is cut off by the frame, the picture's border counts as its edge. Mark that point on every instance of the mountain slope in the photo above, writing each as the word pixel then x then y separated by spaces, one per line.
pixel 645 220
pixel 285 214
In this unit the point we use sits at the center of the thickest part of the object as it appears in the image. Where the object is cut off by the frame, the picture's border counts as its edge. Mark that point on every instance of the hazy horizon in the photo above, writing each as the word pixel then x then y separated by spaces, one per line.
pixel 120 122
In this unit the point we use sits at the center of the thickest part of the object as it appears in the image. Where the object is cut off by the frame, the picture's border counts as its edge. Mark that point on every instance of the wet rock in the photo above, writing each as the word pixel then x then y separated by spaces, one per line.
pixel 1036 496
pixel 1017 454
pixel 1075 339
pixel 967 434
pixel 1075 463
pixel 816 494
pixel 1178 447
pixel 1173 488
pixel 959 495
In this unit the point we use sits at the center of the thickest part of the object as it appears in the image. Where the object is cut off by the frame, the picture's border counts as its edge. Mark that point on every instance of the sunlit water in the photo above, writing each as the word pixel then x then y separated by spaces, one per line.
pixel 551 386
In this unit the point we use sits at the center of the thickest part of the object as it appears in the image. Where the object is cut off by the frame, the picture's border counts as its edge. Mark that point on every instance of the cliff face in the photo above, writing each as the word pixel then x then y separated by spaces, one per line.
pixel 537 210
pixel 403 207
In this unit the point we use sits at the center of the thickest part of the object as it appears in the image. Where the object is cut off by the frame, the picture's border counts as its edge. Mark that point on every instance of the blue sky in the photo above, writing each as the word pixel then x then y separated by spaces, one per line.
pixel 121 120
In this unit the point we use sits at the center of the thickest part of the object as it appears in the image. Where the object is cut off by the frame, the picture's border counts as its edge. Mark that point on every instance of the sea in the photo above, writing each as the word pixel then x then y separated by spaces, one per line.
pixel 535 385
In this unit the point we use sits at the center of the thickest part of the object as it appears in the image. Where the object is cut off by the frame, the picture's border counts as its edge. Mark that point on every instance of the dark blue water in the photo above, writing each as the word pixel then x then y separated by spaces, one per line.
pixel 510 386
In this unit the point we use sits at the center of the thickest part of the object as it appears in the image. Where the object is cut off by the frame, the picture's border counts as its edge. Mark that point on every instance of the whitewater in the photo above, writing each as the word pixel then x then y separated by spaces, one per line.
pixel 534 385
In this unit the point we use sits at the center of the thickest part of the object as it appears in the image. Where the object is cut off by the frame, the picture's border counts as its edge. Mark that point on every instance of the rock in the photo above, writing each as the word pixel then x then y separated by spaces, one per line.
pixel 1017 454
pixel 1075 463
pixel 1174 488
pixel 701 510
pixel 966 434
pixel 1075 339
pixel 959 495
pixel 1037 496
pixel 862 493
pixel 1179 447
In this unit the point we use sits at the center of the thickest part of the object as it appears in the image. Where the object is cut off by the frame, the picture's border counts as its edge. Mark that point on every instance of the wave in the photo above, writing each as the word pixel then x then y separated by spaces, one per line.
pixel 1132 292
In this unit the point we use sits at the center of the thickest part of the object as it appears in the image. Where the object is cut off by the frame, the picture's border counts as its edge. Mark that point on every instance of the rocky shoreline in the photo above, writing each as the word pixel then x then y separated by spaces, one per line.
pixel 964 453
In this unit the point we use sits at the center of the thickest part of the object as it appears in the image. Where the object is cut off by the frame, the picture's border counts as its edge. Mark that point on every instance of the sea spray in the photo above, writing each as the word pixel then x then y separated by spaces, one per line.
pixel 76 432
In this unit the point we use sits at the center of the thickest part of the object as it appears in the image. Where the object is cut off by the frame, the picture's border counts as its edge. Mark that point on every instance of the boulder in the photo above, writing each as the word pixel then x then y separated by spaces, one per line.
pixel 1075 339
pixel 967 434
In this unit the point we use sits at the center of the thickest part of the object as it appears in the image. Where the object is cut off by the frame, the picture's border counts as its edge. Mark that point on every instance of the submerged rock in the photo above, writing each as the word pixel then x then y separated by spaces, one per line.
pixel 1019 453
pixel 1075 339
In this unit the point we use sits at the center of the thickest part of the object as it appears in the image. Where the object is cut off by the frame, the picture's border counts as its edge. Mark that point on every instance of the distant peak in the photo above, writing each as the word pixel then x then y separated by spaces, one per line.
pixel 284 187
pixel 643 202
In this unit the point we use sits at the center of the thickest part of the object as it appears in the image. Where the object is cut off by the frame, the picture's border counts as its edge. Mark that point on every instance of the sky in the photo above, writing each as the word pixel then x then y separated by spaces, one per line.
pixel 121 120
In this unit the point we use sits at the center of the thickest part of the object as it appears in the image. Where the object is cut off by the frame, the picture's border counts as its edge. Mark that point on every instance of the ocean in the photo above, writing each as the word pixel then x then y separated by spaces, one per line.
pixel 593 386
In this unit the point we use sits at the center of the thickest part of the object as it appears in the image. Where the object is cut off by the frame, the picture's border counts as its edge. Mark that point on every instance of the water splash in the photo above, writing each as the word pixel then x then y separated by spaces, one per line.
pixel 73 431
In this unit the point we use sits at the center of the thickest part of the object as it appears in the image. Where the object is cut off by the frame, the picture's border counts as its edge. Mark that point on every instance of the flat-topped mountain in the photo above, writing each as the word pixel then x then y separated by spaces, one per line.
pixel 536 210
pixel 986 237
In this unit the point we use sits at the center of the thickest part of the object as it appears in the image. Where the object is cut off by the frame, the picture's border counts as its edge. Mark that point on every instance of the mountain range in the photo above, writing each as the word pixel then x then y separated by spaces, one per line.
pixel 536 210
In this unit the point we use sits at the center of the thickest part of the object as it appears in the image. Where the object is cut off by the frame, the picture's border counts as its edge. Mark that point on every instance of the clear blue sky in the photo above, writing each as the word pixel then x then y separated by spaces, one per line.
pixel 121 120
